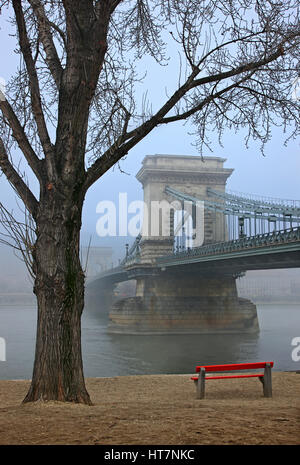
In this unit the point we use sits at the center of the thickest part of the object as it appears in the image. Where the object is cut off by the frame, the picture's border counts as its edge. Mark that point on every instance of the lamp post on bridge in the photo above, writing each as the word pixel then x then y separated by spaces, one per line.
pixel 241 226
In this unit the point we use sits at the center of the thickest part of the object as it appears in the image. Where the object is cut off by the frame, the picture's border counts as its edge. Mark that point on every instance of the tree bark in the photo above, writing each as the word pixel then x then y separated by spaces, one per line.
pixel 59 287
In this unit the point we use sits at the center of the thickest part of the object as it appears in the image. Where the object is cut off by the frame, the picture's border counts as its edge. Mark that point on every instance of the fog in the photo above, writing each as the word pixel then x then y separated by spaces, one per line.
pixel 276 174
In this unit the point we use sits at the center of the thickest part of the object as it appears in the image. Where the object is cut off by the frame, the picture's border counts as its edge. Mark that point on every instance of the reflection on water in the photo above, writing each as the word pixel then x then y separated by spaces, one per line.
pixel 179 353
pixel 114 355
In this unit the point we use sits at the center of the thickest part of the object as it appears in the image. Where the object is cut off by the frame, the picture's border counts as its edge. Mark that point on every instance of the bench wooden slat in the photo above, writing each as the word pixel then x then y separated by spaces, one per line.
pixel 257 375
pixel 233 366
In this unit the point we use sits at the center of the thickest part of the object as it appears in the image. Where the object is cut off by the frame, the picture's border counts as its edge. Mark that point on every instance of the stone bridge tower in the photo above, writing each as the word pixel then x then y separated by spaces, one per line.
pixel 184 300
pixel 190 175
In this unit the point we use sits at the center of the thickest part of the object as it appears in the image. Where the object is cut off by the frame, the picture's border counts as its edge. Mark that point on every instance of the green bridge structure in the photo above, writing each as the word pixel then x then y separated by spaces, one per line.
pixel 205 239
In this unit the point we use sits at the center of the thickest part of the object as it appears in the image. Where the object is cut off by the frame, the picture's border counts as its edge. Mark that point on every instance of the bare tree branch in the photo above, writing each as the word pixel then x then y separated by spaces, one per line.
pixel 17 182
pixel 19 135
pixel 115 153
pixel 20 236
pixel 44 26
pixel 34 87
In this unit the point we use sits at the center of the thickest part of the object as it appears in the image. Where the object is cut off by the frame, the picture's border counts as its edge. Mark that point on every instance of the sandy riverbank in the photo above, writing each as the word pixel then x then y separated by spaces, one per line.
pixel 158 409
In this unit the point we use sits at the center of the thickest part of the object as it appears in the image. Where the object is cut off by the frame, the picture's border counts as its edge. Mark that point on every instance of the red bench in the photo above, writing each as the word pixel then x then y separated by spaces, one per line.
pixel 265 377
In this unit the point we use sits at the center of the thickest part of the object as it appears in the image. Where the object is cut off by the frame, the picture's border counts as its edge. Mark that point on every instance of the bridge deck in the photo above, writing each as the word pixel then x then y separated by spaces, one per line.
pixel 280 249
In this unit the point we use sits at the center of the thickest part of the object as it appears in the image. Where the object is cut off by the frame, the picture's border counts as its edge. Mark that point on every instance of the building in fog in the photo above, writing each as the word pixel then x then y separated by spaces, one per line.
pixel 96 259
pixel 270 286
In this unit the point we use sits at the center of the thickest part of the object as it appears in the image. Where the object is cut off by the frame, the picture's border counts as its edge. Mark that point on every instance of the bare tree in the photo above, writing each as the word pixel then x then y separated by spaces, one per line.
pixel 71 111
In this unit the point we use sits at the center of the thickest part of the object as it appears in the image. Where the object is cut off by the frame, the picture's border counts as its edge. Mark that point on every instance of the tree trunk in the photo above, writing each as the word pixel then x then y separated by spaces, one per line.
pixel 59 287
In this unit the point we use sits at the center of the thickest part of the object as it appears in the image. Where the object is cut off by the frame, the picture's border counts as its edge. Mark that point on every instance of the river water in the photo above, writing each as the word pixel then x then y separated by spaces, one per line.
pixel 107 355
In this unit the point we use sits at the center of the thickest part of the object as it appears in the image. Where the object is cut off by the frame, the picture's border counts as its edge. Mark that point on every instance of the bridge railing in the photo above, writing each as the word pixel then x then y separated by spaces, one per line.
pixel 260 240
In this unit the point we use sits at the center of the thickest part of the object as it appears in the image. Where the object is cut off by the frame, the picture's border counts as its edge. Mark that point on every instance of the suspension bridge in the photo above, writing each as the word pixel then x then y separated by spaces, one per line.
pixel 206 238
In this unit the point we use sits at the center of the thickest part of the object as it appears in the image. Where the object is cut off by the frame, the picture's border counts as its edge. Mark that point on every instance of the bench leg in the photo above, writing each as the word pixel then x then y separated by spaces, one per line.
pixel 201 384
pixel 267 381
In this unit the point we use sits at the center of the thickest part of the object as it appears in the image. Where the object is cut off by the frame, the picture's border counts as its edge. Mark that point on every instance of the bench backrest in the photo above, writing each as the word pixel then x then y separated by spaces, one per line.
pixel 233 366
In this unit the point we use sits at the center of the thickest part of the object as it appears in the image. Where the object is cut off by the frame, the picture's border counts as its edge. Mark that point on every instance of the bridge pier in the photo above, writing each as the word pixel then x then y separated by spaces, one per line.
pixel 173 304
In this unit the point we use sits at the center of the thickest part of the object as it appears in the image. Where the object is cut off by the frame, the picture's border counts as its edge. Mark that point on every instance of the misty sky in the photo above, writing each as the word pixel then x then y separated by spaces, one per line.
pixel 275 175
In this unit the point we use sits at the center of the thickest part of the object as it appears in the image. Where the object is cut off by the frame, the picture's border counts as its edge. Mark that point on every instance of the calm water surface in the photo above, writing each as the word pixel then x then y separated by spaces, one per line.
pixel 116 355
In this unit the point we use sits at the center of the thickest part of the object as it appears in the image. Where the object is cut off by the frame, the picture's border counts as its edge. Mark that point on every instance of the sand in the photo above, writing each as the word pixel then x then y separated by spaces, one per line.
pixel 157 409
